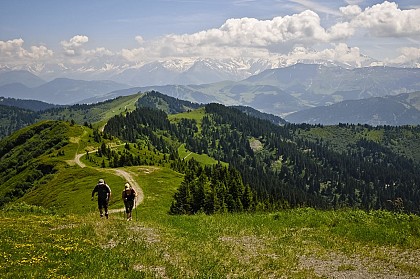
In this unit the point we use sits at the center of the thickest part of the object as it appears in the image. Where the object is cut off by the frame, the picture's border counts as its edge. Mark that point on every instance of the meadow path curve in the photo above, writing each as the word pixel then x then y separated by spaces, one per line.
pixel 120 172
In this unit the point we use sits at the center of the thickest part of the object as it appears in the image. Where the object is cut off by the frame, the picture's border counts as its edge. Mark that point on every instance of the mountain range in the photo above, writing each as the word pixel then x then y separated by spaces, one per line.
pixel 285 165
pixel 279 91
pixel 402 109
pixel 23 77
pixel 61 91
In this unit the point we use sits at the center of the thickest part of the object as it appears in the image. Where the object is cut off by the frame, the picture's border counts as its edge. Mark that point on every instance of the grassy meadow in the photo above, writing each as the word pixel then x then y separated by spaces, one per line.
pixel 61 242
pixel 54 231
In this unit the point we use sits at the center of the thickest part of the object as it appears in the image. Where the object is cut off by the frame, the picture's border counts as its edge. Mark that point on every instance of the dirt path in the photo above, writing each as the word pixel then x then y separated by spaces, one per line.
pixel 77 160
pixel 129 178
pixel 122 173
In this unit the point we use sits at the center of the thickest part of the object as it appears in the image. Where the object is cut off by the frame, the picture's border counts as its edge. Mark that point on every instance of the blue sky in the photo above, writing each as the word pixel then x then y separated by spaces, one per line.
pixel 115 33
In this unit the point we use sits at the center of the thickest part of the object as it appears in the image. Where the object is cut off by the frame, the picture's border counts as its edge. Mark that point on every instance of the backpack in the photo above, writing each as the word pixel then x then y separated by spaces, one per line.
pixel 130 195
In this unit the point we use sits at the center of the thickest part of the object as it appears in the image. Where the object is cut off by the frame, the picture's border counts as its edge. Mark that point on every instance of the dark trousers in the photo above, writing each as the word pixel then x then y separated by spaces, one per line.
pixel 103 204
pixel 128 206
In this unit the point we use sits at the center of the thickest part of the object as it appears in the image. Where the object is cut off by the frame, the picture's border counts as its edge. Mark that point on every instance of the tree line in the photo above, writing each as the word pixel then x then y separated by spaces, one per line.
pixel 288 170
pixel 211 189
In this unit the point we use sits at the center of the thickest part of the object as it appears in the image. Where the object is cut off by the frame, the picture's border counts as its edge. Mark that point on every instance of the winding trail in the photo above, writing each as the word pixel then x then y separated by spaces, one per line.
pixel 129 178
pixel 120 172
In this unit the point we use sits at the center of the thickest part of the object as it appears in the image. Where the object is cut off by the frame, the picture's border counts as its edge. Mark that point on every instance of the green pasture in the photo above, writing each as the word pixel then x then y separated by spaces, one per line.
pixel 71 241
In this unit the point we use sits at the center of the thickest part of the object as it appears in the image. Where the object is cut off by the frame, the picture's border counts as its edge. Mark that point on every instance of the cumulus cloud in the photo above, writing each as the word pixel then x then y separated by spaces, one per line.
pixel 139 39
pixel 236 35
pixel 13 51
pixel 74 46
pixel 293 37
pixel 76 53
pixel 339 53
pixel 385 20
pixel 408 55
pixel 281 34
pixel 350 11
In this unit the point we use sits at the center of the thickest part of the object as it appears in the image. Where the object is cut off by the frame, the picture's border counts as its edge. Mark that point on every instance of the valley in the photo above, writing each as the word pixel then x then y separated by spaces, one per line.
pixel 264 139
pixel 299 93
pixel 50 228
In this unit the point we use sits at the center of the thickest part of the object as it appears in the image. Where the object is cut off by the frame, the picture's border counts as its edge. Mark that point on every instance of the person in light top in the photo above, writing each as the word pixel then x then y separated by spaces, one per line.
pixel 129 195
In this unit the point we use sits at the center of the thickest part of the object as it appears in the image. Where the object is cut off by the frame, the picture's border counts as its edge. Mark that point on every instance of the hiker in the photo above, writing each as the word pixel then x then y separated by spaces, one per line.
pixel 104 195
pixel 128 196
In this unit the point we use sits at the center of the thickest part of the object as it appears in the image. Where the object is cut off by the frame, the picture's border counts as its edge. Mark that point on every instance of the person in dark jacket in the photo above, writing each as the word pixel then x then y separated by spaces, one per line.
pixel 128 196
pixel 104 195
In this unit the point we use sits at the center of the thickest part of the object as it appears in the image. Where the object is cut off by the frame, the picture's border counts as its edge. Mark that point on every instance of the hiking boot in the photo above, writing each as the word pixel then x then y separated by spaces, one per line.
pixel 106 215
pixel 102 215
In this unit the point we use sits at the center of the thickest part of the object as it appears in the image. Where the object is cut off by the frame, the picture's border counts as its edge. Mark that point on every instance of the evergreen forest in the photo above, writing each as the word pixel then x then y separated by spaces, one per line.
pixel 289 165
pixel 259 162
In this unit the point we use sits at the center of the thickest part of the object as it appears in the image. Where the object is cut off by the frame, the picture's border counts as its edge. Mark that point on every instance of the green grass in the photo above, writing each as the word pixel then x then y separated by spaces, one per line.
pixel 118 106
pixel 45 243
pixel 70 191
pixel 97 114
pixel 402 141
pixel 54 231
pixel 196 115
pixel 201 158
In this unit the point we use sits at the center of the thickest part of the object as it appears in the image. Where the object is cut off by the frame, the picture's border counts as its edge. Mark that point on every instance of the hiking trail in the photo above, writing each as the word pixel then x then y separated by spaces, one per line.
pixel 120 172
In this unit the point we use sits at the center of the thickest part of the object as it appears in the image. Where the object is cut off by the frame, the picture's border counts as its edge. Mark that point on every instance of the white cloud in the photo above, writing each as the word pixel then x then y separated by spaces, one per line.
pixel 407 55
pixel 98 52
pixel 351 11
pixel 249 34
pixel 292 37
pixel 339 53
pixel 387 20
pixel 13 52
pixel 139 39
pixel 74 45
pixel 75 52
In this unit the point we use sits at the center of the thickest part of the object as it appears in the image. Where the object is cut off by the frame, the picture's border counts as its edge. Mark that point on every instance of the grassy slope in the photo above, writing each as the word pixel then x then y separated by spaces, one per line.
pixel 301 243
pixel 68 189
pixel 98 113
pixel 122 105
pixel 404 142
pixel 197 115
pixel 70 241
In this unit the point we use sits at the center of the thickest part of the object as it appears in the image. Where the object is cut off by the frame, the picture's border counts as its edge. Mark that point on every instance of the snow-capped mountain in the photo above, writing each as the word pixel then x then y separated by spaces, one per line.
pixel 183 71
pixel 209 70
pixel 192 71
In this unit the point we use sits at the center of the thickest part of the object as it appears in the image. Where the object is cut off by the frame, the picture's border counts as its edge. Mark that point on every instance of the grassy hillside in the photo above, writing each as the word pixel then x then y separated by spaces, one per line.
pixel 95 113
pixel 51 229
pixel 301 243
pixel 37 165
pixel 14 118
pixel 342 138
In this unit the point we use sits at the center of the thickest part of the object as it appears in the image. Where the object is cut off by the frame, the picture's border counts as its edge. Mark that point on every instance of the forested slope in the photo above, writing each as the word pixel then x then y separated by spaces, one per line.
pixel 283 164
pixel 21 113
pixel 13 119
pixel 23 164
